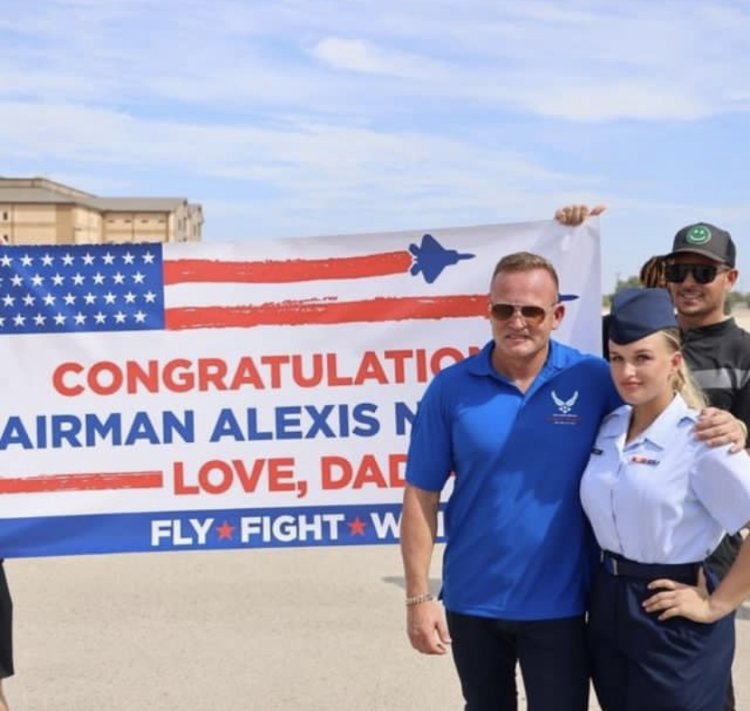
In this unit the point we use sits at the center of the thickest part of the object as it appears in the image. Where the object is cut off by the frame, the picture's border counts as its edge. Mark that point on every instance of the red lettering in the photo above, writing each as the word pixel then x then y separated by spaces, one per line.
pixel 211 371
pixel 217 477
pixel 59 384
pixel 370 369
pixel 94 378
pixel 246 374
pixel 178 475
pixel 177 376
pixel 339 472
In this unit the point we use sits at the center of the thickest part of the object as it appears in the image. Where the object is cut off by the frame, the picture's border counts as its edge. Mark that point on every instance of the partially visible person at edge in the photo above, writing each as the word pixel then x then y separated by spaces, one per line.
pixel 519 554
pixel 659 503
pixel 6 635
pixel 699 272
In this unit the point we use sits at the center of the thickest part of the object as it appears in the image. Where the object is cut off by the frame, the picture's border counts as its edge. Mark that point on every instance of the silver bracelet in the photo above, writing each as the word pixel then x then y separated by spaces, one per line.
pixel 418 599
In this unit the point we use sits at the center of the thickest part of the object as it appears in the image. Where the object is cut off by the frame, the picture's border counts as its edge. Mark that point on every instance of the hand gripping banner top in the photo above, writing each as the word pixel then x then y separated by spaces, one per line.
pixel 208 396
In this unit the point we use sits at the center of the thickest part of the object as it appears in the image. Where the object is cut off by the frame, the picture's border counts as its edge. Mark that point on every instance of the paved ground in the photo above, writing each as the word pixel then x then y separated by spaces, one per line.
pixel 315 629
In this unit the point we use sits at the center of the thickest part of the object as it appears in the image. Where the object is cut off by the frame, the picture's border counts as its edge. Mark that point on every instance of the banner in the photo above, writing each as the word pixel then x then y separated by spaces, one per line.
pixel 183 396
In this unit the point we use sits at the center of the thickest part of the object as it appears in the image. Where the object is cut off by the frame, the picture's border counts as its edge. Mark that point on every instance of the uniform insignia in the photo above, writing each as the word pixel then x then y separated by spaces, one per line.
pixel 640 459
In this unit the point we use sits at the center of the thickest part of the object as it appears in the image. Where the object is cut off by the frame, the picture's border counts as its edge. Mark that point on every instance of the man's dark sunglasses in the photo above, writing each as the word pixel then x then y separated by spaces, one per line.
pixel 702 273
pixel 529 313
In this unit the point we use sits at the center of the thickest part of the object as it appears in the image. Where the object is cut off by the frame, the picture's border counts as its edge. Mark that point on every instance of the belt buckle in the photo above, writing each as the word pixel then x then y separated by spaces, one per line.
pixel 610 563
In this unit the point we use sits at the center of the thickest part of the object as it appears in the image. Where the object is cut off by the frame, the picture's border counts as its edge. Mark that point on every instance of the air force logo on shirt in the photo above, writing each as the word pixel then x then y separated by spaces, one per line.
pixel 565 404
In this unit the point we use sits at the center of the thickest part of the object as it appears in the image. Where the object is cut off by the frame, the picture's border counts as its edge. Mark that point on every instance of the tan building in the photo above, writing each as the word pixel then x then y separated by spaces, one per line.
pixel 41 211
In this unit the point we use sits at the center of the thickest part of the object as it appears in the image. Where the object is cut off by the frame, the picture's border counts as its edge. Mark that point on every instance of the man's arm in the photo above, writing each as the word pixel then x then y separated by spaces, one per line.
pixel 425 620
pixel 718 427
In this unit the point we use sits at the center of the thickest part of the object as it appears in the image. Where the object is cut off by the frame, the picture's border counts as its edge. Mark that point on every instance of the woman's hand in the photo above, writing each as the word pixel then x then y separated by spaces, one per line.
pixel 679 600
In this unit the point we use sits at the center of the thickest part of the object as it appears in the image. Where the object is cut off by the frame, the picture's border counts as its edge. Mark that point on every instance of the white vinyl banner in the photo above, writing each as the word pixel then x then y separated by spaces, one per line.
pixel 183 396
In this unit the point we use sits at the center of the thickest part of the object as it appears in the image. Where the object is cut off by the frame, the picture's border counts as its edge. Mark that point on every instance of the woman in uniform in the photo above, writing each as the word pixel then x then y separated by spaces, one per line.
pixel 659 501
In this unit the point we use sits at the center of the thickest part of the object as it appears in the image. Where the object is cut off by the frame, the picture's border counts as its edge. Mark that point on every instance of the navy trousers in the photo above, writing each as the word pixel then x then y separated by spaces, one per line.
pixel 552 655
pixel 642 664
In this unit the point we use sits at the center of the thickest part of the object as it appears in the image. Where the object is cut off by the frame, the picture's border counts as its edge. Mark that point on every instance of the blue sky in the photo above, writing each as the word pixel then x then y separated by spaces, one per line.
pixel 308 117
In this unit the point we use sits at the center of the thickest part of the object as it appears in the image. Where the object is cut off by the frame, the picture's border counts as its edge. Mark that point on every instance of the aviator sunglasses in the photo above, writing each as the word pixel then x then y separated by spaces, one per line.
pixel 702 273
pixel 533 315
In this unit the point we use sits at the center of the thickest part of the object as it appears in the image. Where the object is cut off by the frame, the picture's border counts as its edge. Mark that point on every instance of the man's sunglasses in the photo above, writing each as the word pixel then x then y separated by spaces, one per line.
pixel 702 273
pixel 533 315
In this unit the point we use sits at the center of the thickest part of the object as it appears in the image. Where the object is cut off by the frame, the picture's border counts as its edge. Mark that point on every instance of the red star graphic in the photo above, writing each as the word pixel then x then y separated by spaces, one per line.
pixel 225 531
pixel 356 527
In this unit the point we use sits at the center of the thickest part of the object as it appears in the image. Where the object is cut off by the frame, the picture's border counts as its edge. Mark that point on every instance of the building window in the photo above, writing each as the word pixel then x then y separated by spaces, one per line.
pixel 6 239
pixel 5 215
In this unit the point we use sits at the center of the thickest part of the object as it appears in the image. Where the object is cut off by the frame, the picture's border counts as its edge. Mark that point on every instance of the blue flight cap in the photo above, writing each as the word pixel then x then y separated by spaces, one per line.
pixel 637 313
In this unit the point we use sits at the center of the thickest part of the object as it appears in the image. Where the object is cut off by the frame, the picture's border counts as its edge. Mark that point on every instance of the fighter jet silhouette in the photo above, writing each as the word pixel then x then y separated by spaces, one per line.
pixel 430 258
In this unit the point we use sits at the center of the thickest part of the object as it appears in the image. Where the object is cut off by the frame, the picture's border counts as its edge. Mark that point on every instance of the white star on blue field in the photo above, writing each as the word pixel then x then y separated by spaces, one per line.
pixel 309 117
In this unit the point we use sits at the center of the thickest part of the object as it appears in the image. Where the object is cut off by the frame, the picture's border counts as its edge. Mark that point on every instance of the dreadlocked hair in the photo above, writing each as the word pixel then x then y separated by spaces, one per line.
pixel 652 273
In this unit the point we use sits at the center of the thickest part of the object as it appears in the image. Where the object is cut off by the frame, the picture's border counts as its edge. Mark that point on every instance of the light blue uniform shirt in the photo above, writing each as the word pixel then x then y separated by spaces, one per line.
pixel 665 497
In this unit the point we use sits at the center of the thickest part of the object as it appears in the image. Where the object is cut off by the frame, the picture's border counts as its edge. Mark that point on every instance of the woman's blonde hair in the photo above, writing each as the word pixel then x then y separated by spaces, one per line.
pixel 684 384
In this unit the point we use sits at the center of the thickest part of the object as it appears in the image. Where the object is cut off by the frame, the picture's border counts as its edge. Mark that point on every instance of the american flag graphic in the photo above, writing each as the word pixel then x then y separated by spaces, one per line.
pixel 134 288
pixel 59 290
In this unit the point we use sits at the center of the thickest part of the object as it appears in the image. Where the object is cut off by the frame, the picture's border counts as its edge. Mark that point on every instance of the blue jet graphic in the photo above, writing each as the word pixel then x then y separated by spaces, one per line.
pixel 430 258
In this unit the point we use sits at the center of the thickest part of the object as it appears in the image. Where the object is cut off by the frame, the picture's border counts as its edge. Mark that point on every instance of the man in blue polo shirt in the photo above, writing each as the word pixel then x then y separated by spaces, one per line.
pixel 515 423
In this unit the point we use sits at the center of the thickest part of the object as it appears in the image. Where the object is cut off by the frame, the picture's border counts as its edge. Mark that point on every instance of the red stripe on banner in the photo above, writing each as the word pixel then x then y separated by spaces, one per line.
pixel 299 313
pixel 81 482
pixel 181 271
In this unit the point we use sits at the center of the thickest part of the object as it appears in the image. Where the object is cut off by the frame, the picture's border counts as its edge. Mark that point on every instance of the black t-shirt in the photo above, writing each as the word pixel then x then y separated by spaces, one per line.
pixel 718 357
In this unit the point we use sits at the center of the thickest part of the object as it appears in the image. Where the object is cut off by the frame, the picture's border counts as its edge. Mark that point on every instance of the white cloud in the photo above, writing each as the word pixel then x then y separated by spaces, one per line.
pixel 361 56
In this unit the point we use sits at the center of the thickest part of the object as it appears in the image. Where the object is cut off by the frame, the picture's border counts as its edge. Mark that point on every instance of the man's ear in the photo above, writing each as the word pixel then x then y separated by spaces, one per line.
pixel 557 315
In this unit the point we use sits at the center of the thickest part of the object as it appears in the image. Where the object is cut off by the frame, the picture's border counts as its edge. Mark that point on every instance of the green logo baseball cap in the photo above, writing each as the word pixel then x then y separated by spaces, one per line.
pixel 707 240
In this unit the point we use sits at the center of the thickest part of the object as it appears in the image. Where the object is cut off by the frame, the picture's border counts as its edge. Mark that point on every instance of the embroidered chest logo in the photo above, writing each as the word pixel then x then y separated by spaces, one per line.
pixel 565 405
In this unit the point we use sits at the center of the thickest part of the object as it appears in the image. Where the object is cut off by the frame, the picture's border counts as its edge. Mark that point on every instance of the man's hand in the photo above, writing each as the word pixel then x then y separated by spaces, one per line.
pixel 679 600
pixel 574 215
pixel 718 427
pixel 425 625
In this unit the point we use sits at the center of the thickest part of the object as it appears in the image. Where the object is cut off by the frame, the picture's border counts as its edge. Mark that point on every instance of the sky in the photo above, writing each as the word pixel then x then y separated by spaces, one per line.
pixel 308 117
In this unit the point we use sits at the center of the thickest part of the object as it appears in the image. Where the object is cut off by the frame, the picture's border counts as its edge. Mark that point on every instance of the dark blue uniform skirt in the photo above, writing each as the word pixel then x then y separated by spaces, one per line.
pixel 641 664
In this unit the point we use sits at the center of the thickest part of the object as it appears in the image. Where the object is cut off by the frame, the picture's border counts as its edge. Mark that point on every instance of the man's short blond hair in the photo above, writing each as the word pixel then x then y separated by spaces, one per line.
pixel 525 262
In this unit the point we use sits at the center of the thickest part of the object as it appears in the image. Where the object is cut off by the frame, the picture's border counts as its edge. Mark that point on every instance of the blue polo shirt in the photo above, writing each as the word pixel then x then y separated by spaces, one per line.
pixel 518 544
